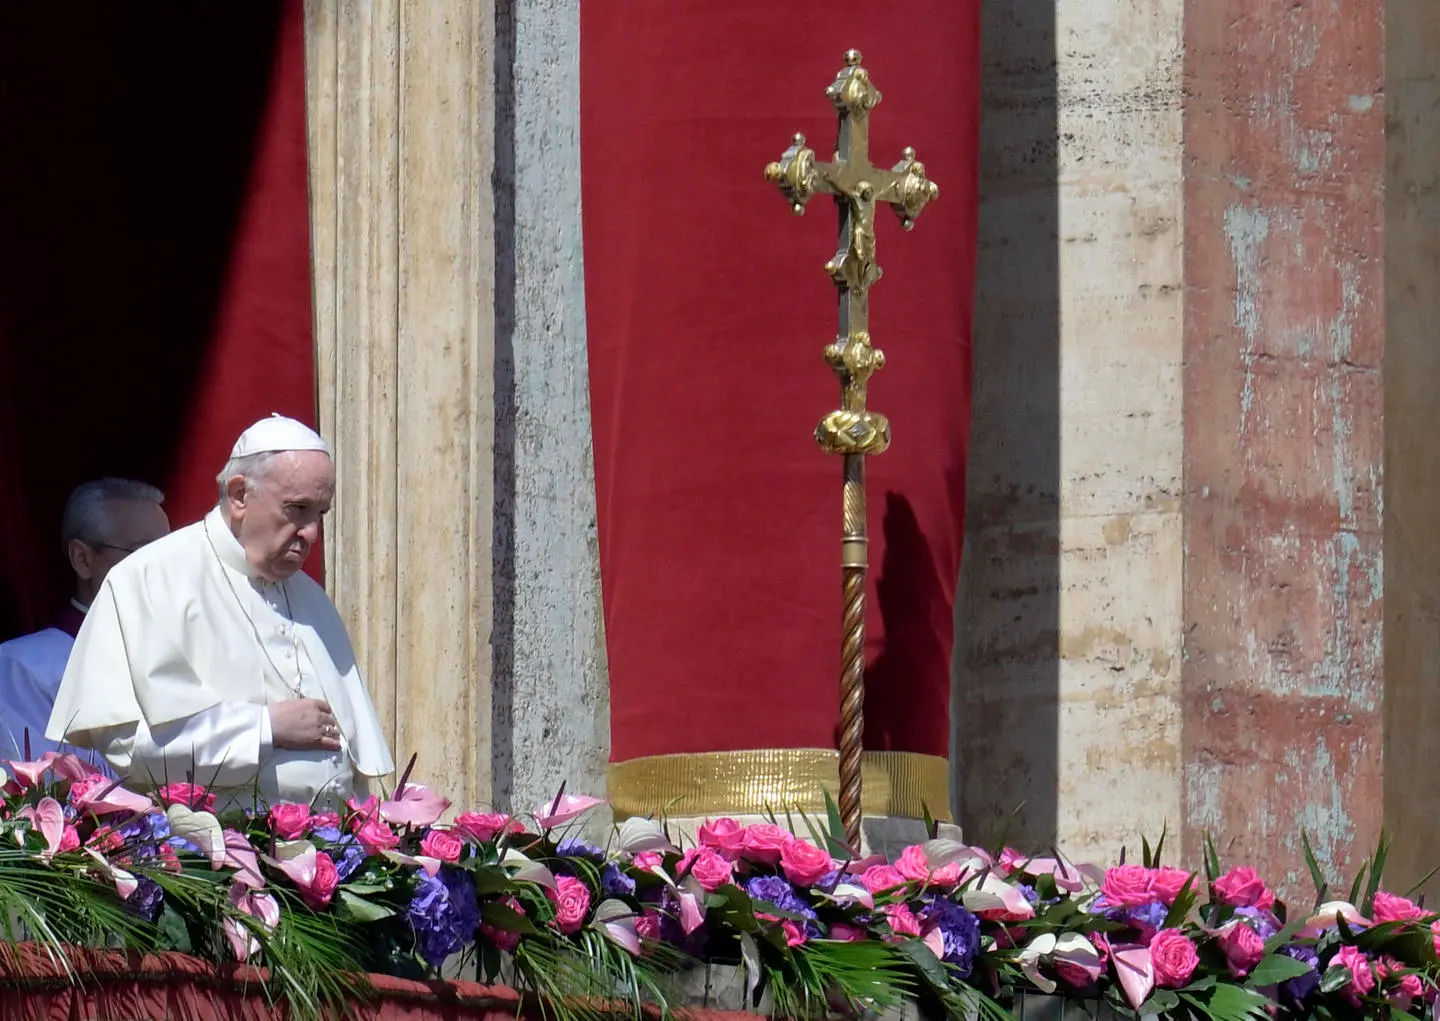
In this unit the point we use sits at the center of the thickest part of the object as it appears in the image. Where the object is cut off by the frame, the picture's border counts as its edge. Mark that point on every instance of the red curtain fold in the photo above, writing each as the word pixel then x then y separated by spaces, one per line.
pixel 707 312
pixel 154 259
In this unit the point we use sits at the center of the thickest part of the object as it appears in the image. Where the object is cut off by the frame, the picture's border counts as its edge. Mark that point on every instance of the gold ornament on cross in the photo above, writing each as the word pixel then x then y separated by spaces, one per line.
pixel 852 431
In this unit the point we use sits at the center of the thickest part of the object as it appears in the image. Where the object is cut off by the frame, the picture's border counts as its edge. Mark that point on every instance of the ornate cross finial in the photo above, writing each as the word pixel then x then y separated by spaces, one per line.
pixel 857 186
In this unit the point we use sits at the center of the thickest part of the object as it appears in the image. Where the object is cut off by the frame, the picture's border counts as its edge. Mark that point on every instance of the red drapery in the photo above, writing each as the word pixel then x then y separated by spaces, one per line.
pixel 154 258
pixel 707 312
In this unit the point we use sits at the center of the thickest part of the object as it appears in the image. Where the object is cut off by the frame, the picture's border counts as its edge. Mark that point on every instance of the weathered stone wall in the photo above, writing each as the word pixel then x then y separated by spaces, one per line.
pixel 1284 331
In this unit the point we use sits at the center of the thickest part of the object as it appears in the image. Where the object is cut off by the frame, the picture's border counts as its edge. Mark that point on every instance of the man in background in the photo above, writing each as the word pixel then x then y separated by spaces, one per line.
pixel 104 522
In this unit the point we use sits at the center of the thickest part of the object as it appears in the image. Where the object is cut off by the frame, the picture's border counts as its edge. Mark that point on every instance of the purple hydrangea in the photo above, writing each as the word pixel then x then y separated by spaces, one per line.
pixel 615 882
pixel 1030 894
pixel 573 847
pixel 444 914
pixel 1263 922
pixel 1295 991
pixel 959 931
pixel 147 900
pixel 1147 919
pixel 779 892
pixel 344 850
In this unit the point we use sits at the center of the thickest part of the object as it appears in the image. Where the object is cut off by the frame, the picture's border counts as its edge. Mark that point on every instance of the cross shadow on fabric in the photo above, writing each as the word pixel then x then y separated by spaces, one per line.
pixel 1006 700
pixel 127 138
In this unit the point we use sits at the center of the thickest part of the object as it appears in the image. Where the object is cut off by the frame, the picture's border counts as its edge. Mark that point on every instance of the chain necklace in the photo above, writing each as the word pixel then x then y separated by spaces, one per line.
pixel 297 686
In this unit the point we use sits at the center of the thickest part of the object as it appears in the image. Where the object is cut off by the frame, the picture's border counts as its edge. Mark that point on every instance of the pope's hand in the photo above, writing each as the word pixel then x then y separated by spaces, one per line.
pixel 304 724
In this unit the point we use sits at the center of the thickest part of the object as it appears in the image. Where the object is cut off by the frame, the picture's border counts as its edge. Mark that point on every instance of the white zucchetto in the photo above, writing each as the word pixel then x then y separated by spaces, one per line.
pixel 275 434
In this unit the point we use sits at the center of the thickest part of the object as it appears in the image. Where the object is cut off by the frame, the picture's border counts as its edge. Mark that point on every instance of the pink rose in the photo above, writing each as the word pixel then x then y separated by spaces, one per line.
pixel 192 795
pixel 90 782
pixel 317 895
pixel 106 839
pixel 290 821
pixel 1175 958
pixel 482 827
pixel 1167 883
pixel 846 933
pixel 763 843
pixel 803 863
pixel 879 878
pixel 571 898
pixel 913 864
pixel 1128 886
pixel 1243 947
pixel 69 840
pixel 647 926
pixel 649 859
pixel 375 836
pixel 1435 936
pixel 1362 976
pixel 325 820
pixel 1073 975
pixel 710 870
pixel 503 938
pixel 442 844
pixel 725 836
pixel 1392 908
pixel 1242 887
pixel 902 920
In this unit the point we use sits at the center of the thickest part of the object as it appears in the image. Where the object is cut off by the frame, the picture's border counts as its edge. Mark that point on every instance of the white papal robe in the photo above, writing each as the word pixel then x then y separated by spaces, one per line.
pixel 181 653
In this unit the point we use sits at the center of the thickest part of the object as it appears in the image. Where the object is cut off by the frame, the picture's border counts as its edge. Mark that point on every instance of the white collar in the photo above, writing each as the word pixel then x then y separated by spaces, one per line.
pixel 227 548
pixel 79 605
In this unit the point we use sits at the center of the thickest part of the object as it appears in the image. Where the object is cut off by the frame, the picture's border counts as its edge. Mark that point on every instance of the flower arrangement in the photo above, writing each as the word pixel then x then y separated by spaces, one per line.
pixel 385 886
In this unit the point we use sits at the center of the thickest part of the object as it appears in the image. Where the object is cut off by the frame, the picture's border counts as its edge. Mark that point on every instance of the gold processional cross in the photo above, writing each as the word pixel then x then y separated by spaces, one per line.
pixel 852 431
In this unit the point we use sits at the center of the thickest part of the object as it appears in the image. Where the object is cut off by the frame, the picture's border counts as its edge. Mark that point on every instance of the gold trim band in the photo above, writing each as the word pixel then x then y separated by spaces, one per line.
pixel 757 781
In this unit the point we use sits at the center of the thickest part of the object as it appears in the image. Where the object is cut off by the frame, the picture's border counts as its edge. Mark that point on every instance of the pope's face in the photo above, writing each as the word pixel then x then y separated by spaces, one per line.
pixel 278 521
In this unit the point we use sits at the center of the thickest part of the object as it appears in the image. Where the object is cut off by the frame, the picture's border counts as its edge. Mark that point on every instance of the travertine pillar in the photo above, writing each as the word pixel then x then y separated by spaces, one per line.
pixel 401 125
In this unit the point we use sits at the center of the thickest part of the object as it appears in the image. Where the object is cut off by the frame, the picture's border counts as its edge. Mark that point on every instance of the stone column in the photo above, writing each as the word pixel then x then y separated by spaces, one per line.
pixel 401 132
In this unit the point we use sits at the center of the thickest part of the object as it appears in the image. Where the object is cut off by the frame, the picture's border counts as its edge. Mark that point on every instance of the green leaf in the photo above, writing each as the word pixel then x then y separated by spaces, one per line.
pixel 506 918
pixel 1282 937
pixel 1145 857
pixel 370 886
pixel 1359 883
pixel 1162 1001
pixel 491 879
pixel 835 838
pixel 1212 860
pixel 1234 1003
pixel 359 909
pixel 1184 901
pixel 1335 979
pixel 1164 832
pixel 1274 969
pixel 177 935
pixel 1377 869
pixel 1316 876
pixel 926 963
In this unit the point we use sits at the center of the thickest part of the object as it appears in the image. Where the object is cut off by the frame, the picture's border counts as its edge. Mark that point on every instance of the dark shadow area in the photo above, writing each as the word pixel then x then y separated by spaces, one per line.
pixel 1007 655
pixel 502 634
pixel 126 136
pixel 903 707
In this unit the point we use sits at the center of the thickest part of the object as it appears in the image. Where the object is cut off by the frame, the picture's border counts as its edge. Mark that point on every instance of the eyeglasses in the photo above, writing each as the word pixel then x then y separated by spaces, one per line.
pixel 112 546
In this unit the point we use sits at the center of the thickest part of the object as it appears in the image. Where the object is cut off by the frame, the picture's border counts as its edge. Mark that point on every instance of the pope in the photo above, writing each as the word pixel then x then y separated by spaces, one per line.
pixel 209 654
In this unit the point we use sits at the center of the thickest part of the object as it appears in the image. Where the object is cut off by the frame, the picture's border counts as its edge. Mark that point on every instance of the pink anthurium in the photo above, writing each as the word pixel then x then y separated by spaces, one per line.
pixel 564 808
pixel 430 865
pixel 692 905
pixel 49 819
pixel 993 894
pixel 104 797
pixel 257 905
pixel 1066 876
pixel 617 921
pixel 66 765
pixel 934 940
pixel 1325 918
pixel 1069 947
pixel 1136 972
pixel 240 856
pixel 414 805
pixel 28 774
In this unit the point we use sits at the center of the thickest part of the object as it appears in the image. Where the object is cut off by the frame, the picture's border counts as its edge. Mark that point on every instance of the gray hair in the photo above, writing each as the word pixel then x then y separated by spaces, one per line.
pixel 252 468
pixel 86 515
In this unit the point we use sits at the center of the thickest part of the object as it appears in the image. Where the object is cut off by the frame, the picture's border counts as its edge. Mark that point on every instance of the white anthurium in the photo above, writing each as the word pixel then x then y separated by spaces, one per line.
pixel 847 894
pixel 750 955
pixel 201 829
pixel 994 894
pixel 1325 917
pixel 125 883
pixel 527 870
pixel 616 920
pixel 1071 947
pixel 636 835
pixel 942 852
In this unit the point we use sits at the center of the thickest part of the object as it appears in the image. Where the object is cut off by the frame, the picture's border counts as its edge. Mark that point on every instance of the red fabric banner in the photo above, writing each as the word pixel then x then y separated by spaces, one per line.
pixel 708 310
pixel 154 259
